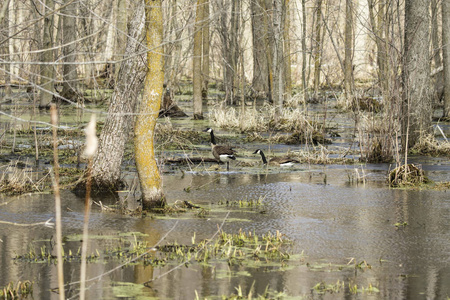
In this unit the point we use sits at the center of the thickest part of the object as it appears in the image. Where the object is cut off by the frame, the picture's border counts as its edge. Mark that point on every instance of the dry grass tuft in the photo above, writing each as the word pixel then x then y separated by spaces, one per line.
pixel 377 143
pixel 407 175
pixel 428 145
pixel 21 291
pixel 169 137
pixel 16 180
pixel 251 119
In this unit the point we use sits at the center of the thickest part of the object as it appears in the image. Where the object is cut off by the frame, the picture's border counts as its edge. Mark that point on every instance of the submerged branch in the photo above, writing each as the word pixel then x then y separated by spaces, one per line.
pixel 46 223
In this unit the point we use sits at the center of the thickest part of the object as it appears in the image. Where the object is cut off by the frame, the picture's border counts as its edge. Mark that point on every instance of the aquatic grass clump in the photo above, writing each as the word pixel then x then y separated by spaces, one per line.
pixel 260 120
pixel 376 139
pixel 20 291
pixel 45 255
pixel 168 137
pixel 17 180
pixel 267 294
pixel 429 145
pixel 408 175
pixel 244 202
pixel 322 288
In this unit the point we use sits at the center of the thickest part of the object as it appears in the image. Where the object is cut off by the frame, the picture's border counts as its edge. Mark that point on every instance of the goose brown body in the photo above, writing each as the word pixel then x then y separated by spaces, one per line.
pixel 221 153
pixel 281 161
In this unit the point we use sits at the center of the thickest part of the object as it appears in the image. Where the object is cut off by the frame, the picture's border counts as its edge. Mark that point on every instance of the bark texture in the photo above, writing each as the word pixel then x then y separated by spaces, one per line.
pixel 197 61
pixel 417 108
pixel 348 61
pixel 278 54
pixel 119 122
pixel 446 55
pixel 47 71
pixel 69 37
pixel 260 82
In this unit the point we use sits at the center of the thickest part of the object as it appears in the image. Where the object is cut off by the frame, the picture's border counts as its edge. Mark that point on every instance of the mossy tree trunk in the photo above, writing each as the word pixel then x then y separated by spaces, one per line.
pixel 417 109
pixel 149 177
pixel 106 170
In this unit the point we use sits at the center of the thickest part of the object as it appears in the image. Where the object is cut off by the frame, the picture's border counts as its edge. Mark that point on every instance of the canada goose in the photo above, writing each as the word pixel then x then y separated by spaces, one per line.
pixel 278 161
pixel 221 153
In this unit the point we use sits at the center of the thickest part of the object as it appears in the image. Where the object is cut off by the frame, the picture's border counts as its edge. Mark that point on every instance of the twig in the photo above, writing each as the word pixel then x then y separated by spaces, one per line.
pixel 87 206
pixel 54 119
pixel 443 134
pixel 46 223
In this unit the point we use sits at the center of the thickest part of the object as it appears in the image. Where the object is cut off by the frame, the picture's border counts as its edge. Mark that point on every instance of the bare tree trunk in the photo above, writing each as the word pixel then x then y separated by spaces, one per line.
pixel 317 53
pixel 197 61
pixel 226 48
pixel 205 54
pixel 287 52
pixel 119 122
pixel 436 53
pixel 121 39
pixel 172 61
pixel 47 71
pixel 348 61
pixel 234 45
pixel 304 82
pixel 446 55
pixel 69 37
pixel 4 19
pixel 417 109
pixel 260 82
pixel 149 177
pixel 87 26
pixel 278 62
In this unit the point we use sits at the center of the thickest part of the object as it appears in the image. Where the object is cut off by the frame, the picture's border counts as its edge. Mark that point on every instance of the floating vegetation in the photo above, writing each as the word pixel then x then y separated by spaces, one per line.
pixel 44 255
pixel 20 291
pixel 442 186
pixel 323 288
pixel 234 249
pixel 407 175
pixel 268 294
pixel 401 224
pixel 243 202
pixel 329 267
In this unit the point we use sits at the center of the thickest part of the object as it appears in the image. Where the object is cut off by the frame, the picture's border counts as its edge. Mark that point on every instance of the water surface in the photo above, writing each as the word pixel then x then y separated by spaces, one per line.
pixel 334 222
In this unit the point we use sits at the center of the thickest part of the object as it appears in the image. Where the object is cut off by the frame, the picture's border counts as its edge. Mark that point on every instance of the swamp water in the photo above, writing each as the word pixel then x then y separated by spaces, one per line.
pixel 345 240
pixel 348 241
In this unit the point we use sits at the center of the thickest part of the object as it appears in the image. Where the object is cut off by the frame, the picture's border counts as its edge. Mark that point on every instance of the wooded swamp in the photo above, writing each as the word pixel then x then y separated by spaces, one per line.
pixel 313 231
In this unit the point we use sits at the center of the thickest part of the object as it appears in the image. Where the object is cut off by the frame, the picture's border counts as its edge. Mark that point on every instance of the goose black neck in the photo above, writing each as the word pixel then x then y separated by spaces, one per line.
pixel 213 139
pixel 263 157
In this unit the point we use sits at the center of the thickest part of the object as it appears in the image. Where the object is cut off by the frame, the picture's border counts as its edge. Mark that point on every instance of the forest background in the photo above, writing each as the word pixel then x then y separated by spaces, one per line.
pixel 392 55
